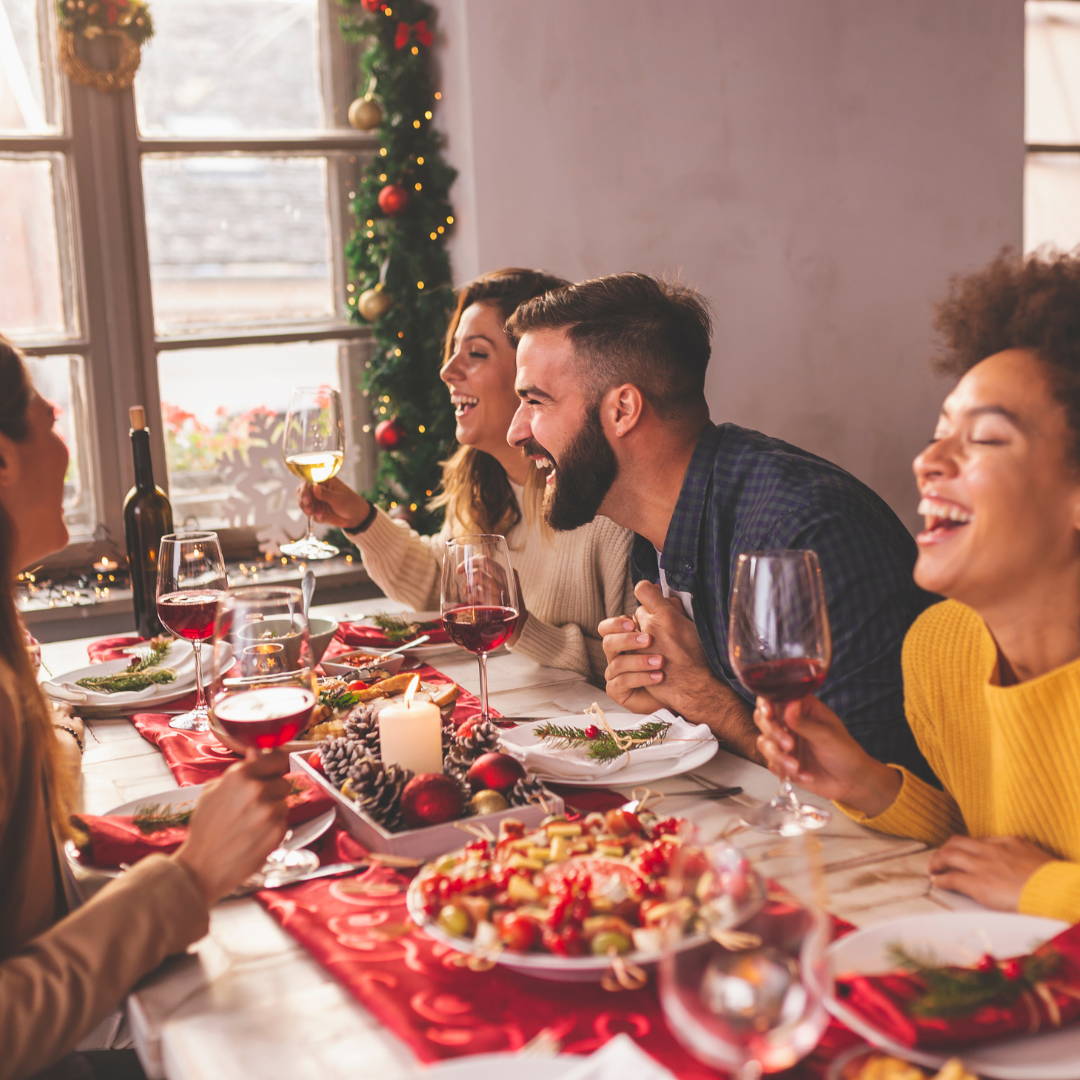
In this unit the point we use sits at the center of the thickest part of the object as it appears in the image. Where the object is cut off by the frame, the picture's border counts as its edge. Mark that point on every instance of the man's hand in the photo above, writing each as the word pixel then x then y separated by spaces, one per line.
pixel 333 503
pixel 631 672
pixel 992 871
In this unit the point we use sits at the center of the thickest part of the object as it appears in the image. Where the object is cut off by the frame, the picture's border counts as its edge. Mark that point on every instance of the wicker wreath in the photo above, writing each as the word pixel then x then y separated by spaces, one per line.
pixel 118 77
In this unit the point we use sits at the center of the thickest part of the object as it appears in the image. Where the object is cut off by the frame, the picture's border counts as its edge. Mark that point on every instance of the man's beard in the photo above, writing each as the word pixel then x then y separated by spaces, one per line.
pixel 583 477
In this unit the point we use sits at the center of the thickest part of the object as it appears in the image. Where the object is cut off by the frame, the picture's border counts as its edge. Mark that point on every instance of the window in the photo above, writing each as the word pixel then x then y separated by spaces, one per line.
pixel 180 246
pixel 1052 122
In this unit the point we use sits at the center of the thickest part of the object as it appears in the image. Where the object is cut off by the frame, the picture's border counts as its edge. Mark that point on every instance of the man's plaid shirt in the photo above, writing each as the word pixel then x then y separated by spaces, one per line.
pixel 745 491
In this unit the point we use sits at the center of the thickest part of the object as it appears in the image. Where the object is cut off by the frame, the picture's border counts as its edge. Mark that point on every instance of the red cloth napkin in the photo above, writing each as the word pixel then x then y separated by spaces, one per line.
pixel 113 648
pixel 884 1001
pixel 115 839
pixel 357 634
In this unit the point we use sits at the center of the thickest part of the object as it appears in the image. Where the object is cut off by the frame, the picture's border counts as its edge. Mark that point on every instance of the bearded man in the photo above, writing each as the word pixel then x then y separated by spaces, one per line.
pixel 611 381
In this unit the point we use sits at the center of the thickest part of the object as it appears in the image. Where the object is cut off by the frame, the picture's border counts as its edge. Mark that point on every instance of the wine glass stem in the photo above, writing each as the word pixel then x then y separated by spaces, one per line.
pixel 309 536
pixel 484 714
pixel 751 1070
pixel 200 697
pixel 787 795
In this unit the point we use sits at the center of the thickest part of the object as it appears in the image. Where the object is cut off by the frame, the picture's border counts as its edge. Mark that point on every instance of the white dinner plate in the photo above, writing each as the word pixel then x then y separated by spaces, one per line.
pixel 179 658
pixel 960 937
pixel 186 797
pixel 500 1066
pixel 696 753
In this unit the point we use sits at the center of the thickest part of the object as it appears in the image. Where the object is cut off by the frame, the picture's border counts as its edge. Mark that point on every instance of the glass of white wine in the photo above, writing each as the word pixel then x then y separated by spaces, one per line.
pixel 314 448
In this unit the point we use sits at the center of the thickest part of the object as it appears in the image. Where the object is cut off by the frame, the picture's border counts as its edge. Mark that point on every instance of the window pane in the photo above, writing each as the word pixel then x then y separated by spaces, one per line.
pixel 1053 72
pixel 1052 200
pixel 238 239
pixel 234 68
pixel 222 413
pixel 35 243
pixel 60 380
pixel 27 84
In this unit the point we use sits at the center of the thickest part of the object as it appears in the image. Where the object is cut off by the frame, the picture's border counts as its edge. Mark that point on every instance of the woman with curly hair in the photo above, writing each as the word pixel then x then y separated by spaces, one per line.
pixel 62 971
pixel 992 674
pixel 569 581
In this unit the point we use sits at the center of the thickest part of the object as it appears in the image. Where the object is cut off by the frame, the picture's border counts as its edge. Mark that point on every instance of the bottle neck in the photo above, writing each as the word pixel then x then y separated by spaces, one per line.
pixel 144 467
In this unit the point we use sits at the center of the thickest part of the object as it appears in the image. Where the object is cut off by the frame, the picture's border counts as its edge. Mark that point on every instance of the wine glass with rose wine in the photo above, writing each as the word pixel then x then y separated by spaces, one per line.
pixel 314 448
pixel 190 581
pixel 479 598
pixel 780 647
pixel 263 687
pixel 743 974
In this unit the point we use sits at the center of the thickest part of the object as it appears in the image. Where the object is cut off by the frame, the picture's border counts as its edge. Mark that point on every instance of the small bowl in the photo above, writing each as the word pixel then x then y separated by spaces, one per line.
pixel 377 668
pixel 320 633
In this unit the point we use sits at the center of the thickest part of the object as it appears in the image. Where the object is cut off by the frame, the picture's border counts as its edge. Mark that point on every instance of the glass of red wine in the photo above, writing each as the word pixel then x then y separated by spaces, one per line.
pixel 479 599
pixel 190 581
pixel 743 973
pixel 263 685
pixel 780 647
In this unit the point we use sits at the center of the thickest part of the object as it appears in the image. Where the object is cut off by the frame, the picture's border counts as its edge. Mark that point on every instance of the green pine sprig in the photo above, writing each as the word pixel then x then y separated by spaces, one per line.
pixel 602 747
pixel 157 816
pixel 957 991
pixel 338 700
pixel 159 646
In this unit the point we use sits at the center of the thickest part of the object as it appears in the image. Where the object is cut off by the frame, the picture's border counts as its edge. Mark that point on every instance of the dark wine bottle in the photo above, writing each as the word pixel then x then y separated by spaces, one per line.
pixel 147 518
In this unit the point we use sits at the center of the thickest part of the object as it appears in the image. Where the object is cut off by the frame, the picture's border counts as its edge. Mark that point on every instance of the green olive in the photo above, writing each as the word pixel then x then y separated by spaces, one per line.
pixel 454 920
pixel 609 941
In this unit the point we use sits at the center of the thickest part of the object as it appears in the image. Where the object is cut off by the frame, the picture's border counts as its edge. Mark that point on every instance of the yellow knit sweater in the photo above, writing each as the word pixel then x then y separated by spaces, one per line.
pixel 1008 756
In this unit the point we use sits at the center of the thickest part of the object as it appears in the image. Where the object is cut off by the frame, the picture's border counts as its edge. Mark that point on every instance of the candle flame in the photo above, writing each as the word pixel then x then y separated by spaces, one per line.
pixel 410 690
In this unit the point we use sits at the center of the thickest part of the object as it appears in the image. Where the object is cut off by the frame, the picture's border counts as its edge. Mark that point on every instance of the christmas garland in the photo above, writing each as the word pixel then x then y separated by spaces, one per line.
pixel 400 269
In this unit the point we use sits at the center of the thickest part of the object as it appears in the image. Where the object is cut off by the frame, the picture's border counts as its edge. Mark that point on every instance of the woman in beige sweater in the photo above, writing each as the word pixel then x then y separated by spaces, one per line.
pixel 62 972
pixel 569 581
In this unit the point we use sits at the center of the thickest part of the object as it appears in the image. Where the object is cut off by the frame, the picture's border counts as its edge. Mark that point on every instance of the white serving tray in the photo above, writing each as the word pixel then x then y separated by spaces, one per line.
pixel 420 843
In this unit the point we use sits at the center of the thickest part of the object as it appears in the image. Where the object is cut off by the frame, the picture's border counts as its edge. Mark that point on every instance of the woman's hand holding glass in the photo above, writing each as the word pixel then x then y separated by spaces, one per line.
pixel 334 503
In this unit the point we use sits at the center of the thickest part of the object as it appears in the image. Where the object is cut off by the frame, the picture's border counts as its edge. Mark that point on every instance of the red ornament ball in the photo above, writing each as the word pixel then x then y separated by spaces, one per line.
pixel 430 799
pixel 496 772
pixel 389 434
pixel 315 760
pixel 393 199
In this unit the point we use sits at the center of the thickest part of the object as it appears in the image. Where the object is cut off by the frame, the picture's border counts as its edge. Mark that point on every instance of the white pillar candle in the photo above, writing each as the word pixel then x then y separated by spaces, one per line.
pixel 410 735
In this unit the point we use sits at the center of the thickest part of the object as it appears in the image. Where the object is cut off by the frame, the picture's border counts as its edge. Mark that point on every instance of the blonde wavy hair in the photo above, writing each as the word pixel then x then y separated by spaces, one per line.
pixel 18 680
pixel 476 491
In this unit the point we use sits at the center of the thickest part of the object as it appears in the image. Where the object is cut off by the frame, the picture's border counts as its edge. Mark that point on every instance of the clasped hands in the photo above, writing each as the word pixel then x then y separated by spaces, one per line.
pixel 809 745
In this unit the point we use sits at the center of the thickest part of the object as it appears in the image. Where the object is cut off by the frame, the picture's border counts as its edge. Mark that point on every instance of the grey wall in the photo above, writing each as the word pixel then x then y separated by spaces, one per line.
pixel 817 168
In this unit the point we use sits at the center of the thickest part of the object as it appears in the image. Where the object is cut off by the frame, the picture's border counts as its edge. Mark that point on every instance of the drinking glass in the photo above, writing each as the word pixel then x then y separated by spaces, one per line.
pixel 780 647
pixel 479 598
pixel 263 686
pixel 743 975
pixel 314 448
pixel 190 581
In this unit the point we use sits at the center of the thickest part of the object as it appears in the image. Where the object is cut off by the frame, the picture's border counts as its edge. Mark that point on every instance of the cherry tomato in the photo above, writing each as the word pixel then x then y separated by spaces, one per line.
pixel 518 932
pixel 358 684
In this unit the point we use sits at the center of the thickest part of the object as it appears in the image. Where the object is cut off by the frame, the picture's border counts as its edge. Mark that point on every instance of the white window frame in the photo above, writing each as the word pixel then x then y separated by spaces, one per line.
pixel 104 225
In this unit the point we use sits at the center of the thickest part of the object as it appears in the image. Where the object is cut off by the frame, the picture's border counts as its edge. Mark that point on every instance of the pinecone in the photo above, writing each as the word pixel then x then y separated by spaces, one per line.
pixel 376 790
pixel 465 749
pixel 339 754
pixel 527 790
pixel 362 726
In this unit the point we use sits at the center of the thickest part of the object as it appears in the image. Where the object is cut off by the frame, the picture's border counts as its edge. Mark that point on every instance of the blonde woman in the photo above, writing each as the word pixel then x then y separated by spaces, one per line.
pixel 569 581
pixel 61 972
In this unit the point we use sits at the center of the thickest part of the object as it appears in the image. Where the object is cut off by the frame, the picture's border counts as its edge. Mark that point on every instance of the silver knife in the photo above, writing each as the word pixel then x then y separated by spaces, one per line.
pixel 330 870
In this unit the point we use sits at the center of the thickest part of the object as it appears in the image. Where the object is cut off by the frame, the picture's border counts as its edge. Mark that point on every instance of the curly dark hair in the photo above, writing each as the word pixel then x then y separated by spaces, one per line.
pixel 1019 302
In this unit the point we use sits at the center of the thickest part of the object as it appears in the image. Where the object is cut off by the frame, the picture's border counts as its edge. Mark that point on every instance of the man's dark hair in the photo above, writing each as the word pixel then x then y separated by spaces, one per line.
pixel 630 328
pixel 1019 302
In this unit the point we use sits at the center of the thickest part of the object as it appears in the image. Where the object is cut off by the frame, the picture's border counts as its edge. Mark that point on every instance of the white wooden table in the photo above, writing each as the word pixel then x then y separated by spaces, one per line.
pixel 249 1001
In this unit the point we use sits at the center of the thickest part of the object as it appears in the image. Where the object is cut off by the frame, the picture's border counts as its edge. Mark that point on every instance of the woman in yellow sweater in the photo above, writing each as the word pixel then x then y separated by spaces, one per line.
pixel 992 674
pixel 569 581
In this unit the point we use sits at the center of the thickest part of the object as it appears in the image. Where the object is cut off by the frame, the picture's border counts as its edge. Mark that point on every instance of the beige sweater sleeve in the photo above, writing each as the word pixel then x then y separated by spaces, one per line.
pixel 404 564
pixel 67 979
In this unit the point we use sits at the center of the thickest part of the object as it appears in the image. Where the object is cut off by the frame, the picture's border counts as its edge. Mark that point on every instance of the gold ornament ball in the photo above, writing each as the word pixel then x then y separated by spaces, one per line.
pixel 373 304
pixel 365 114
pixel 488 802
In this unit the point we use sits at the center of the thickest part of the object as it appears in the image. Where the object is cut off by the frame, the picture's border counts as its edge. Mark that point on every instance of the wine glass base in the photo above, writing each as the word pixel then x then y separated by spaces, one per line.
pixel 309 548
pixel 192 720
pixel 779 816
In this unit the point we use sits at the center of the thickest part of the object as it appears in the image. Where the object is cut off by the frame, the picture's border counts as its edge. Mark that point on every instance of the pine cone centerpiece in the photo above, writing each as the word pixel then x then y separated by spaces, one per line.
pixel 376 790
pixel 339 754
pixel 527 790
pixel 362 727
pixel 482 738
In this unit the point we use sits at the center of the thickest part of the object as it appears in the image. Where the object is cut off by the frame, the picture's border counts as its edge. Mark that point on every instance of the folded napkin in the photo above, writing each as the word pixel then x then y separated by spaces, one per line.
pixel 358 634
pixel 115 839
pixel 547 761
pixel 619 1058
pixel 1028 1005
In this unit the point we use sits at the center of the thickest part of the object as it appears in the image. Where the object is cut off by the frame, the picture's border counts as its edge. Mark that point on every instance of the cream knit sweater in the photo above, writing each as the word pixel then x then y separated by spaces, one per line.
pixel 569 580
pixel 1009 756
